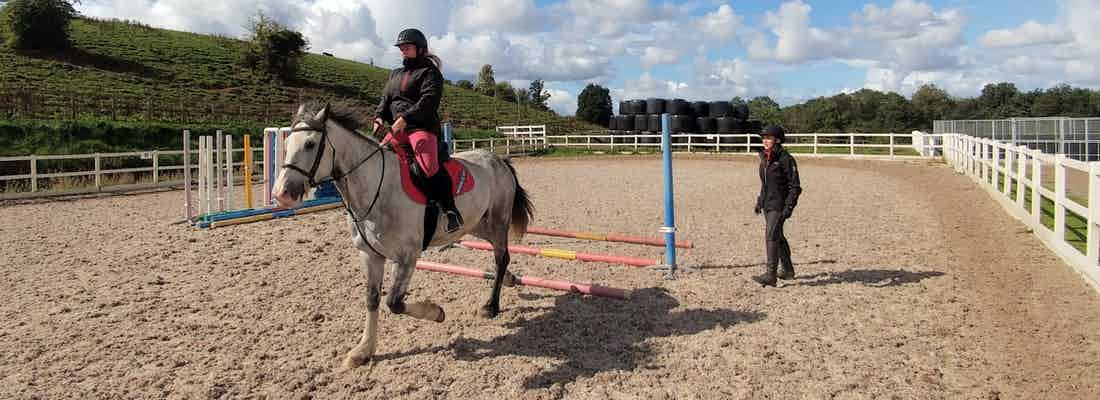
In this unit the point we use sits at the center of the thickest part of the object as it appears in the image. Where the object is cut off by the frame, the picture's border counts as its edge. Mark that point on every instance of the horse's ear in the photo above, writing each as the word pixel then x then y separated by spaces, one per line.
pixel 301 112
pixel 321 115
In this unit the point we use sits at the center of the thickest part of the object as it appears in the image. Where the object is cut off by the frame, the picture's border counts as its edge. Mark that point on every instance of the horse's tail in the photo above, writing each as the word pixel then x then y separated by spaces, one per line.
pixel 522 210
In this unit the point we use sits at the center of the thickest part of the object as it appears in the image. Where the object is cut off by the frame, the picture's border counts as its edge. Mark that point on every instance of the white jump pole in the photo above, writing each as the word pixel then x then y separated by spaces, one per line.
pixel 188 212
pixel 218 187
pixel 212 177
pixel 229 171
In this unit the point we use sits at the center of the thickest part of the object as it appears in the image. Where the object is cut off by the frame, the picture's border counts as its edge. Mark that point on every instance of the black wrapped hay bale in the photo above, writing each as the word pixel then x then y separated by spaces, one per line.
pixel 654 123
pixel 720 109
pixel 678 107
pixel 654 106
pixel 707 125
pixel 700 108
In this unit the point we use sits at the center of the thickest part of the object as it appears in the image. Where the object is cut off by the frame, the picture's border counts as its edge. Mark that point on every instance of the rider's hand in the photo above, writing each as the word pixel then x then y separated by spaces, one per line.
pixel 377 125
pixel 399 125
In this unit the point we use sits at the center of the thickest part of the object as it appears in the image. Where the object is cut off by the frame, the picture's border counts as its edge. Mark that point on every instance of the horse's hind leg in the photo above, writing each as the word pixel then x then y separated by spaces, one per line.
pixel 364 351
pixel 502 258
pixel 425 310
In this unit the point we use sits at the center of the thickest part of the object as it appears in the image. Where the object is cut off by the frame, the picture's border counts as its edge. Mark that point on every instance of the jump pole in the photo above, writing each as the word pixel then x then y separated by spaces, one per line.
pixel 607 237
pixel 564 254
pixel 582 288
pixel 670 217
pixel 189 212
pixel 247 171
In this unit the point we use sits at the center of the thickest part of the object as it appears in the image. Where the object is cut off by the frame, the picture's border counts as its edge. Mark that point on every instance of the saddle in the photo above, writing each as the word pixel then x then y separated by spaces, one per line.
pixel 415 183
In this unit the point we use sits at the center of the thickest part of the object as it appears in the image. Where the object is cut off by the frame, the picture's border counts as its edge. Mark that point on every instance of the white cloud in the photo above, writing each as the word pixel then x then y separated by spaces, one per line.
pixel 1029 34
pixel 720 25
pixel 562 102
pixel 796 40
pixel 655 56
pixel 227 17
pixel 497 15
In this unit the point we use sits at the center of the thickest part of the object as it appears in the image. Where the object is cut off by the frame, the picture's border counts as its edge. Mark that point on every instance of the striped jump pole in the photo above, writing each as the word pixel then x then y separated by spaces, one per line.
pixel 572 287
pixel 564 254
pixel 269 215
pixel 609 237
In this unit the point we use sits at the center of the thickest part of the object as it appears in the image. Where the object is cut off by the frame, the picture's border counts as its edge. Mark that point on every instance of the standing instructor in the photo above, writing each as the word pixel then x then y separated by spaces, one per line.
pixel 779 190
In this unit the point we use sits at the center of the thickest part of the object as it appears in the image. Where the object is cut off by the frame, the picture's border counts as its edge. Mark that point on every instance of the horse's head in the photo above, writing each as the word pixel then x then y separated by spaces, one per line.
pixel 309 158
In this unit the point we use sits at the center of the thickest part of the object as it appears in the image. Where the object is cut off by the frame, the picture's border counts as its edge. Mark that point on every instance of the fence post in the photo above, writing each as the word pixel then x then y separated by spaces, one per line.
pixel 983 162
pixel 891 145
pixel 1009 157
pixel 97 169
pixel 1060 197
pixel 507 146
pixel 1092 251
pixel 156 166
pixel 1036 185
pixel 851 144
pixel 995 164
pixel 815 143
pixel 1021 171
pixel 34 173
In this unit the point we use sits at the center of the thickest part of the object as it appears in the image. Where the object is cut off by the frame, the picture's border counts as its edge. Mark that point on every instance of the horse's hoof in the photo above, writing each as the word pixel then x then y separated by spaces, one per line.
pixel 487 312
pixel 352 362
pixel 509 280
pixel 442 316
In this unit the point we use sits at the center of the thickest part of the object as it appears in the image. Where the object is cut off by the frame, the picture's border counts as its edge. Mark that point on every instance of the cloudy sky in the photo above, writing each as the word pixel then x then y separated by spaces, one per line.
pixel 695 49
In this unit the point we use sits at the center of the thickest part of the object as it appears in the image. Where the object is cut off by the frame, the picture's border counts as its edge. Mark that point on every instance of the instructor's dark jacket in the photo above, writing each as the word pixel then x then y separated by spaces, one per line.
pixel 413 92
pixel 779 185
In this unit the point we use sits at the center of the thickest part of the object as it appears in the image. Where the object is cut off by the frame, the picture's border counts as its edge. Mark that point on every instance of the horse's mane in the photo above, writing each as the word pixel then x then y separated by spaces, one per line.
pixel 347 116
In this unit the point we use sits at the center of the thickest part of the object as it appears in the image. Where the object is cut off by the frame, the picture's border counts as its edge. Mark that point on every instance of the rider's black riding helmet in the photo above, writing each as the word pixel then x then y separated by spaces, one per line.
pixel 412 36
pixel 773 130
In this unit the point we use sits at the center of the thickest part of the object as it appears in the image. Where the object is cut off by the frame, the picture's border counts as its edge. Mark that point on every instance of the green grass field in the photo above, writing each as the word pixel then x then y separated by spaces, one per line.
pixel 119 71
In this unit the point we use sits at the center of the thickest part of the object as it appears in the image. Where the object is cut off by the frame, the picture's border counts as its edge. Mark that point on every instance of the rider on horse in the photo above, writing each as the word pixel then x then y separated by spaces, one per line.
pixel 410 102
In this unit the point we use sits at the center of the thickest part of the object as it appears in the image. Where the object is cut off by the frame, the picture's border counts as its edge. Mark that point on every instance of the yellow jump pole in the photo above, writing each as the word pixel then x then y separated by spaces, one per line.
pixel 247 172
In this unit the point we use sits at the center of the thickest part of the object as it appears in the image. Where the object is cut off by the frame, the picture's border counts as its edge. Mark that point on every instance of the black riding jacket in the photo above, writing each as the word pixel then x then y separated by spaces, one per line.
pixel 779 183
pixel 413 92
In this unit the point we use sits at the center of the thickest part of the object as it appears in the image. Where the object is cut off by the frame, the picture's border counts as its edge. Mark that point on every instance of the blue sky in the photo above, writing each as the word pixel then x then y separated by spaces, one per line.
pixel 695 49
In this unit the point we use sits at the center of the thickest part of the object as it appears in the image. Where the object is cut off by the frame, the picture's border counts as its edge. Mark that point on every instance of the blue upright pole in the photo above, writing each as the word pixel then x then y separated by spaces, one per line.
pixel 447 137
pixel 670 218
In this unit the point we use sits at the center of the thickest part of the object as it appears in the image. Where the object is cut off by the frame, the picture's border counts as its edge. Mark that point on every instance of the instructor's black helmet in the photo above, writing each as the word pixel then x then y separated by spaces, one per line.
pixel 773 130
pixel 412 36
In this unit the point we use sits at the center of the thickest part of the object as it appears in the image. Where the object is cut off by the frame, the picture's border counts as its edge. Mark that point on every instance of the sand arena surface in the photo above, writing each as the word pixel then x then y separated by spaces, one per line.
pixel 911 284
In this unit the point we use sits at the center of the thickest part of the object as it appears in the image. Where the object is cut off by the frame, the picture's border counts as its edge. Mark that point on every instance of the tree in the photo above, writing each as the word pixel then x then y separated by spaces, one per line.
pixel 272 48
pixel 1000 100
pixel 765 109
pixel 929 104
pixel 594 105
pixel 505 92
pixel 465 84
pixel 538 95
pixel 486 84
pixel 37 24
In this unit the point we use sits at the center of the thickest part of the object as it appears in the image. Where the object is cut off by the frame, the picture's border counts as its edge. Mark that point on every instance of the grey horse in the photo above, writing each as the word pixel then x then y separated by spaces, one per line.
pixel 385 222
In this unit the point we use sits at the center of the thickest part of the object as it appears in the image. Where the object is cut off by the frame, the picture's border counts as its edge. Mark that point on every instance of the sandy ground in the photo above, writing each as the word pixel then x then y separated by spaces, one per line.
pixel 905 289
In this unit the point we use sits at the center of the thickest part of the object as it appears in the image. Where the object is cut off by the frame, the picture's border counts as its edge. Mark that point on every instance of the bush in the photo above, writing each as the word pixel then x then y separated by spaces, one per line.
pixel 274 49
pixel 37 24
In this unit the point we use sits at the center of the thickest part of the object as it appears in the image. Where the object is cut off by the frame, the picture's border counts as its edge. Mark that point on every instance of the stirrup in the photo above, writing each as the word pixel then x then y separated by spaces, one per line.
pixel 454 221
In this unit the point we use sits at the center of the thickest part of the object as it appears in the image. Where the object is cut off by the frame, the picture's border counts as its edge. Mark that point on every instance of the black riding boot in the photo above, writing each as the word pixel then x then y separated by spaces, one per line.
pixel 443 194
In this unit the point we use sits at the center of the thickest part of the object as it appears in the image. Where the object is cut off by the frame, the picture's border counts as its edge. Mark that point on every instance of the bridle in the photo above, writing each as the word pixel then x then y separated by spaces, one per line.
pixel 314 125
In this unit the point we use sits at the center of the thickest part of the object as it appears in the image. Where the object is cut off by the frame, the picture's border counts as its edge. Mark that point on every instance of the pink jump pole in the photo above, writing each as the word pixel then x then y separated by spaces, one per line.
pixel 582 288
pixel 565 254
pixel 683 244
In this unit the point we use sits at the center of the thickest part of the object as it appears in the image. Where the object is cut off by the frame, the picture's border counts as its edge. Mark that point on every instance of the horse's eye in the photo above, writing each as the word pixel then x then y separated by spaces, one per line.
pixel 310 145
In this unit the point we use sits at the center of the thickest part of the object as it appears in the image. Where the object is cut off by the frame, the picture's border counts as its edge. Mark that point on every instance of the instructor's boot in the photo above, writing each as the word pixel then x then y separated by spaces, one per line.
pixel 786 271
pixel 768 278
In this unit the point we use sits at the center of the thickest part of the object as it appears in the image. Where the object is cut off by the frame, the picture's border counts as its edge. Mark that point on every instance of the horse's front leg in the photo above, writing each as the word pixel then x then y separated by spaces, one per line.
pixel 364 351
pixel 425 310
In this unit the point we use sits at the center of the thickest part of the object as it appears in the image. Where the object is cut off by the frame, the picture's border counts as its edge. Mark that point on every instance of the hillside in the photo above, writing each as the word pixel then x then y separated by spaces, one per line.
pixel 120 71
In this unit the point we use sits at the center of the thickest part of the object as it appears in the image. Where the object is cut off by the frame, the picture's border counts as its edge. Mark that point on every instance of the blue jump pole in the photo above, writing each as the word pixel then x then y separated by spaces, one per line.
pixel 670 218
